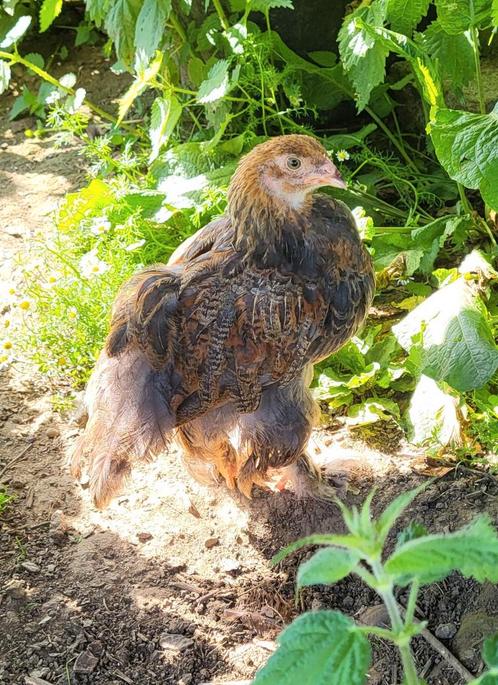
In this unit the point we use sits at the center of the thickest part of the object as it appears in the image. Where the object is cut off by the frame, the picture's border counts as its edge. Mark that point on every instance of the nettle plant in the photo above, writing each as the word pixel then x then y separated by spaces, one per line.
pixel 327 646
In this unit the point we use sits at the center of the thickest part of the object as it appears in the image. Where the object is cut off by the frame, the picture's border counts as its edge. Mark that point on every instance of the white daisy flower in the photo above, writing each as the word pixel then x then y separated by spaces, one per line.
pixel 134 246
pixel 100 225
pixel 342 155
pixel 91 265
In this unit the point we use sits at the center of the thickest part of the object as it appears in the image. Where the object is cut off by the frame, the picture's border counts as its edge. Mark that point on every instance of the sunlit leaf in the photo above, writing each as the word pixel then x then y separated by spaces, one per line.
pixel 216 85
pixel 49 10
pixel 150 26
pixel 317 648
pixel 457 16
pixel 12 29
pixel 394 510
pixel 473 551
pixel 164 117
pixel 454 54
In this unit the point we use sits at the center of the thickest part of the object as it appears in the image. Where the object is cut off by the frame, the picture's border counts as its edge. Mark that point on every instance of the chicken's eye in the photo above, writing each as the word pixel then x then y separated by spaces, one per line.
pixel 293 163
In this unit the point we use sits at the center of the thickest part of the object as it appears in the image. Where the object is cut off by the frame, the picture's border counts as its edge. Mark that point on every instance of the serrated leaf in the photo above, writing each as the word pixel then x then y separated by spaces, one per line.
pixel 457 16
pixel 394 510
pixel 36 59
pixel 454 54
pixel 413 531
pixel 318 648
pixel 473 551
pixel 12 29
pixel 164 117
pixel 216 85
pixel 326 566
pixel 49 10
pixel 466 144
pixel 404 15
pixel 266 5
pixel 150 26
pixel 363 56
pixel 97 10
pixel 347 541
pixel 457 342
pixel 120 23
pixel 4 76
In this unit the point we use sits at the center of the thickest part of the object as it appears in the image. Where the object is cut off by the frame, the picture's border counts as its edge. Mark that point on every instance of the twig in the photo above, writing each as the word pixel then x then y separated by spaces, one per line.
pixel 442 650
pixel 15 459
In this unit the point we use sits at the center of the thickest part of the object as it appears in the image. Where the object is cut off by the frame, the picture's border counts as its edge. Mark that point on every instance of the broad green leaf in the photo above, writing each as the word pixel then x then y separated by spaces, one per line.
pixel 486 679
pixel 120 24
pixel 324 58
pixel 97 10
pixel 454 54
pixel 326 567
pixel 217 83
pixel 363 56
pixel 490 652
pixel 12 29
pixel 466 144
pixel 347 541
pixel 404 15
pixel 164 117
pixel 318 648
pixel 433 414
pixel 4 76
pixel 456 16
pixel 49 10
pixel 36 59
pixel 394 510
pixel 473 551
pixel 150 26
pixel 457 342
pixel 494 12
pixel 413 531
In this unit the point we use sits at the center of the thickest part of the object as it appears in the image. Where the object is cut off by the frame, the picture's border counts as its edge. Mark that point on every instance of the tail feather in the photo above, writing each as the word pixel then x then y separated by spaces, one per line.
pixel 130 420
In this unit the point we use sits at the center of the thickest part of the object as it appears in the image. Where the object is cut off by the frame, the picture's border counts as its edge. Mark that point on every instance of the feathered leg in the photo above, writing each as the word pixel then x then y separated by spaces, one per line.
pixel 207 450
pixel 276 434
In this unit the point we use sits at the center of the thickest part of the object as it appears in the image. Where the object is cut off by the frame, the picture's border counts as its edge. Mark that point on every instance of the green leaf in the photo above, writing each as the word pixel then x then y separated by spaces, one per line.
pixel 413 531
pixel 494 12
pixel 324 58
pixel 348 541
pixel 326 566
pixel 265 5
pixel 97 10
pixel 457 16
pixel 150 26
pixel 473 551
pixel 36 59
pixel 490 652
pixel 164 117
pixel 454 54
pixel 466 144
pixel 457 342
pixel 217 83
pixel 363 56
pixel 120 25
pixel 4 76
pixel 49 10
pixel 394 510
pixel 141 82
pixel 404 15
pixel 371 411
pixel 12 29
pixel 318 648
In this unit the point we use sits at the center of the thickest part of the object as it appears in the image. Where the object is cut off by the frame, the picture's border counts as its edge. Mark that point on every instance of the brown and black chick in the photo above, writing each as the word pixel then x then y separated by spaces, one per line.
pixel 218 346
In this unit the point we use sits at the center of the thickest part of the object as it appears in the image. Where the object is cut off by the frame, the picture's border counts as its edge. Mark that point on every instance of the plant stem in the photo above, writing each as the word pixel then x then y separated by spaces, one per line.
pixel 221 14
pixel 178 27
pixel 397 625
pixel 397 144
pixel 17 59
pixel 474 35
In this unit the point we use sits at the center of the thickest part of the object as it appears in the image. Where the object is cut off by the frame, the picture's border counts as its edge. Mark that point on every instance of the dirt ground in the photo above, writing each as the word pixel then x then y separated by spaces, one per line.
pixel 172 584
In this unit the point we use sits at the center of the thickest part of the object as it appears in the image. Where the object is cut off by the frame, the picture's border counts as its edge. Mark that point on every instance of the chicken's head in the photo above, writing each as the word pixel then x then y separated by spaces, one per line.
pixel 284 171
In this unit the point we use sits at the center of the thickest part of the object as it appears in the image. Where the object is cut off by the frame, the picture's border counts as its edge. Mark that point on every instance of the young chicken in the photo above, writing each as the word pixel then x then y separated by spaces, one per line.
pixel 218 346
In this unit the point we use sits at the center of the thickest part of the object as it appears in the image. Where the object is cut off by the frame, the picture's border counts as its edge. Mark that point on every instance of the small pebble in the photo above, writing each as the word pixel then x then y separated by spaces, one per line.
pixel 144 537
pixel 85 663
pixel 30 566
pixel 445 631
pixel 211 542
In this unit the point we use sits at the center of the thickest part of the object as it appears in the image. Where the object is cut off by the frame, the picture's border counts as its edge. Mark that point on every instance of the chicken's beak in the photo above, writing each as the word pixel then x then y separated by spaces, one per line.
pixel 327 175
